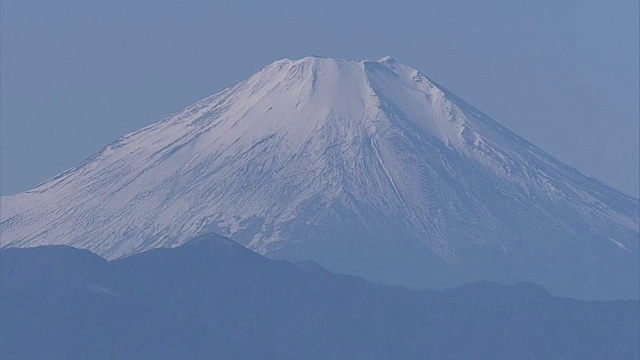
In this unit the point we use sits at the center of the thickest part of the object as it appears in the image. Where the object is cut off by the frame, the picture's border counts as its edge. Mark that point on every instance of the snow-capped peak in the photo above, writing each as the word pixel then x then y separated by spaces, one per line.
pixel 367 167
pixel 387 59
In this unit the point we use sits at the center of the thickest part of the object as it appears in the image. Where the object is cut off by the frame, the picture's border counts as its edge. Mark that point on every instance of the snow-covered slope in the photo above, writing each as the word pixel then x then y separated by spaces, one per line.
pixel 368 168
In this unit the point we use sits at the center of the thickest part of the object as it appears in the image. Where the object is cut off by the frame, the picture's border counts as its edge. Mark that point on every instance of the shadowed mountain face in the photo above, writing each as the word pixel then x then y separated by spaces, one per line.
pixel 366 167
pixel 212 298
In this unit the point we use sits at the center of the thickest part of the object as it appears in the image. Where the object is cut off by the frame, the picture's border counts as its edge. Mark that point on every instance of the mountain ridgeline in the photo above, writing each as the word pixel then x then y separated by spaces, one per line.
pixel 368 168
pixel 212 298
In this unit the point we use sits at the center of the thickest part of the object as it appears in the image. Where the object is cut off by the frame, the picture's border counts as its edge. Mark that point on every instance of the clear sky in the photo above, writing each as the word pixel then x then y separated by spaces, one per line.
pixel 78 74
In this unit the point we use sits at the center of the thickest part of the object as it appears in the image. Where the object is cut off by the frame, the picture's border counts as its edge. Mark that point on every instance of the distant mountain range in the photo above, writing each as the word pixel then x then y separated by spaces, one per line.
pixel 366 167
pixel 212 298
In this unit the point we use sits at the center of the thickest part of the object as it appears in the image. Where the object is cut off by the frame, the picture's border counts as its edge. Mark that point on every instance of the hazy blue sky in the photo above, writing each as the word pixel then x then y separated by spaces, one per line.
pixel 77 74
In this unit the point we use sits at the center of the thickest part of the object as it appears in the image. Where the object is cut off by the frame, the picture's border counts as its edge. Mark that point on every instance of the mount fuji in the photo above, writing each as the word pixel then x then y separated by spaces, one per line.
pixel 366 167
